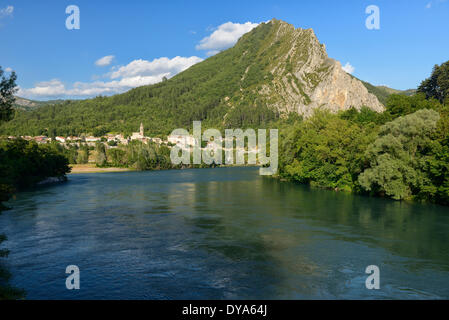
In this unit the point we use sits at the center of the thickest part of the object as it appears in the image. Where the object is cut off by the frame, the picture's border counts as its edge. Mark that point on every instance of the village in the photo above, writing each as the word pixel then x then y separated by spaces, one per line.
pixel 113 140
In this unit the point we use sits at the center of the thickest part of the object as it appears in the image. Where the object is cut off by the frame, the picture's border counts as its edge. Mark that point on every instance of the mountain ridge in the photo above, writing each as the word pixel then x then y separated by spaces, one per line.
pixel 307 78
pixel 29 104
pixel 272 71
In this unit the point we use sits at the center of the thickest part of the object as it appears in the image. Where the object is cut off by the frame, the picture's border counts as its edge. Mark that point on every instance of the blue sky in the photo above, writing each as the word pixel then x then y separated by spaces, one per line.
pixel 141 39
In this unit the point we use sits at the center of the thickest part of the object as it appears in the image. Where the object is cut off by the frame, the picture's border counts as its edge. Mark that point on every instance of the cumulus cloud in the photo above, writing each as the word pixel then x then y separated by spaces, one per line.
pixel 156 67
pixel 434 2
pixel 348 68
pixel 8 11
pixel 138 72
pixel 225 36
pixel 8 69
pixel 46 88
pixel 105 61
pixel 135 74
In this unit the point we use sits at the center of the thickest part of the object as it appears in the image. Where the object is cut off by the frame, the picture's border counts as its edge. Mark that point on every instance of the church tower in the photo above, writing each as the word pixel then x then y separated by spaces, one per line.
pixel 141 129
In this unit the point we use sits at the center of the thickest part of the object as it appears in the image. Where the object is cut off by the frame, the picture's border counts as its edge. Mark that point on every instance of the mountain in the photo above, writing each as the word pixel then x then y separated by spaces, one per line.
pixel 272 71
pixel 27 104
pixel 303 76
pixel 389 90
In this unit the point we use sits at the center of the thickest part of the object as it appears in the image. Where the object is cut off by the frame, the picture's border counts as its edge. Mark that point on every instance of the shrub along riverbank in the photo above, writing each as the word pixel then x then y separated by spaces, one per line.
pixel 402 153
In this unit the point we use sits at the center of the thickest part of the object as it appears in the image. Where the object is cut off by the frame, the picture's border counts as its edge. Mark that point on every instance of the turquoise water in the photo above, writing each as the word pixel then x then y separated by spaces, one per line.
pixel 224 233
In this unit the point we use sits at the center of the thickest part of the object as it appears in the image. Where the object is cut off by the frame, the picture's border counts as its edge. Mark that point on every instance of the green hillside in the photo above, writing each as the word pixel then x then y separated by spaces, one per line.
pixel 383 92
pixel 198 93
pixel 269 73
pixel 27 104
pixel 272 71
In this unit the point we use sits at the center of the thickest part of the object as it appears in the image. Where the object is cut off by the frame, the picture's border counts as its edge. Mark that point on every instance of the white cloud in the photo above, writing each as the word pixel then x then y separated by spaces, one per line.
pixel 137 73
pixel 434 2
pixel 105 61
pixel 8 69
pixel 348 68
pixel 156 67
pixel 6 11
pixel 225 36
pixel 46 88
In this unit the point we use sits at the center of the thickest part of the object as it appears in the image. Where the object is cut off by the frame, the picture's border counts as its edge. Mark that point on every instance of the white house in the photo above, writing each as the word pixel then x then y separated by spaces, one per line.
pixel 92 139
pixel 182 141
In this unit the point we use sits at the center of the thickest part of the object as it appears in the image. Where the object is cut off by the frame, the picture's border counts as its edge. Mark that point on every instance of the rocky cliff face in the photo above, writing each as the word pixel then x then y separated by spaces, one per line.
pixel 304 77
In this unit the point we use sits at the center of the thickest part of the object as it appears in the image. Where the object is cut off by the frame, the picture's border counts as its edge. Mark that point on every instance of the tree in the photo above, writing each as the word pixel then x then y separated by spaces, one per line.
pixel 116 157
pixel 7 90
pixel 437 85
pixel 437 166
pixel 101 159
pixel 398 158
pixel 83 155
pixel 325 151
pixel 402 105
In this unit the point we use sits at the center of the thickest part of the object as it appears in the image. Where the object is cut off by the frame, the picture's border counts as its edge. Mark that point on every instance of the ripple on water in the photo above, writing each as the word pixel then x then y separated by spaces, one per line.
pixel 221 234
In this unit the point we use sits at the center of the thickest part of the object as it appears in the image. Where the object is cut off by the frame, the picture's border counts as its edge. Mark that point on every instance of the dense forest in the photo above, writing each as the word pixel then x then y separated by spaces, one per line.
pixel 402 153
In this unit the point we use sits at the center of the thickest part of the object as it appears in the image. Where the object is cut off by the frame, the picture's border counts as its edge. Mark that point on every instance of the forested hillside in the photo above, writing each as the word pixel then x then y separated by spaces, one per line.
pixel 27 104
pixel 272 71
pixel 382 92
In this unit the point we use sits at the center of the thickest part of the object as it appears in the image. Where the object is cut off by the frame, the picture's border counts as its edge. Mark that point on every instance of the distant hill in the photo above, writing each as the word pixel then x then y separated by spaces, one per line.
pixel 272 71
pixel 27 104
pixel 383 92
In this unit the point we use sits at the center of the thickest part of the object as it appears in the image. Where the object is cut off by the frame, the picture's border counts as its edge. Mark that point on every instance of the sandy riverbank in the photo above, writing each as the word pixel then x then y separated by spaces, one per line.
pixel 92 168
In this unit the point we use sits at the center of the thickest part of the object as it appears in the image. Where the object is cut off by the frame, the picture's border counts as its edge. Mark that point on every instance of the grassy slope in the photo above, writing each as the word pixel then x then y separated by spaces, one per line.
pixel 382 92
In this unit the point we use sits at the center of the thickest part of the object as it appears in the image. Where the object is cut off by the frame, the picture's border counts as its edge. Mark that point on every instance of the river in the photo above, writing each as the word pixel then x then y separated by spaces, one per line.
pixel 223 233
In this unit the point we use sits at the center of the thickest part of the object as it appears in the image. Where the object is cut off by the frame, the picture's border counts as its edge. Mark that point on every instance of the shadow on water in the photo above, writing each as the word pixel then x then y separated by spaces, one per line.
pixel 408 229
pixel 218 234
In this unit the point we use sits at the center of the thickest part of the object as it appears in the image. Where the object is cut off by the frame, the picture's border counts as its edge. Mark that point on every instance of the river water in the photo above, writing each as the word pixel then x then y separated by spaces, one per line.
pixel 224 233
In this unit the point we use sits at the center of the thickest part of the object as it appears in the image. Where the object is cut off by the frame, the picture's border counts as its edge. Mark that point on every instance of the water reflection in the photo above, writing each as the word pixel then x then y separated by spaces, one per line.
pixel 221 233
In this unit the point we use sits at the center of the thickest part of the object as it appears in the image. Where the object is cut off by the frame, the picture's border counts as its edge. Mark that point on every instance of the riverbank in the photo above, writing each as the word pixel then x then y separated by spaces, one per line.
pixel 92 168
